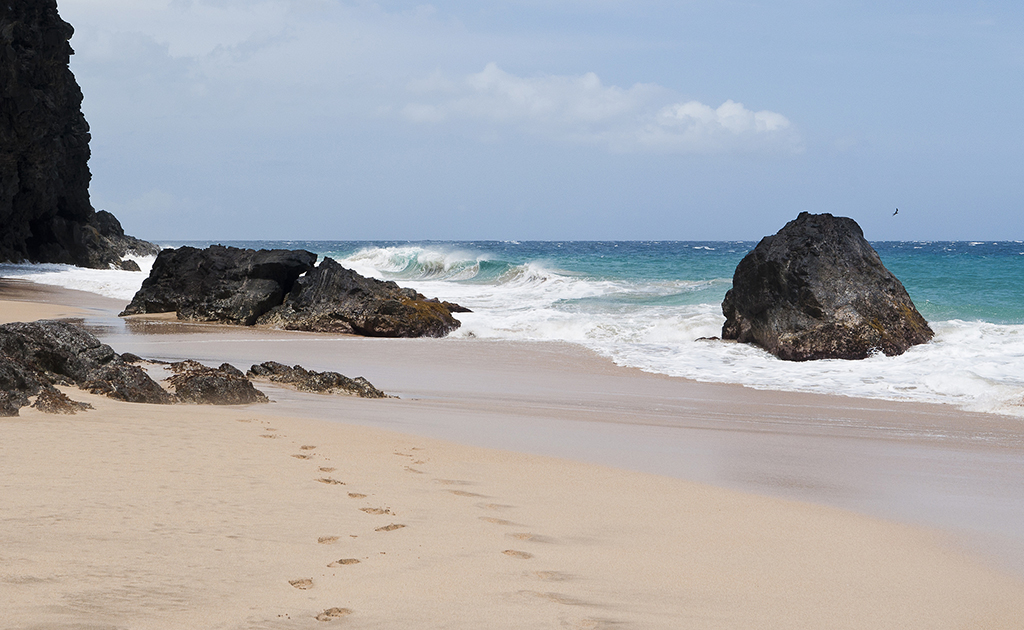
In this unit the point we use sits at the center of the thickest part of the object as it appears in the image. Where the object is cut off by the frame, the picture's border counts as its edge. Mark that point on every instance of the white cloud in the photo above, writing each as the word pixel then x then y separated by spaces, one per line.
pixel 582 109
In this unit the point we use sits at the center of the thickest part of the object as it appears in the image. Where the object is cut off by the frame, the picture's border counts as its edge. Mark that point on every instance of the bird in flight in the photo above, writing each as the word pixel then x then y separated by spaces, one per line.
pixel 895 213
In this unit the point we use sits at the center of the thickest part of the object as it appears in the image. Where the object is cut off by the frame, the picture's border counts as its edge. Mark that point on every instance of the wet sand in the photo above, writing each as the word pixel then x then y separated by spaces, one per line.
pixel 143 516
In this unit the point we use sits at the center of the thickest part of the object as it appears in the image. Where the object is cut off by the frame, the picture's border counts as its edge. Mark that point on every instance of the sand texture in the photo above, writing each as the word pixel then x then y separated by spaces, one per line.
pixel 139 516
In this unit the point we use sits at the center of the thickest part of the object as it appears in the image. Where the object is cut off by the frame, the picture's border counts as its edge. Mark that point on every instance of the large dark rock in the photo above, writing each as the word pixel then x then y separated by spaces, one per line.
pixel 35 356
pixel 818 290
pixel 219 284
pixel 195 383
pixel 318 382
pixel 335 299
pixel 45 213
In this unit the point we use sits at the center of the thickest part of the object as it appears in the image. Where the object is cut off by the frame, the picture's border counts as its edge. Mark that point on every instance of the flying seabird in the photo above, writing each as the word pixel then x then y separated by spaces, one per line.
pixel 895 213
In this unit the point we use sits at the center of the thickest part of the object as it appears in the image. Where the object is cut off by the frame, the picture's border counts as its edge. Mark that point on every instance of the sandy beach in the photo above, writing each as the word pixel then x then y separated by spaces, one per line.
pixel 511 485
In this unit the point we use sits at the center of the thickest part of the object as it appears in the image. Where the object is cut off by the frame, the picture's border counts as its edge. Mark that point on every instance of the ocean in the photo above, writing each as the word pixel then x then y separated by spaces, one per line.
pixel 647 304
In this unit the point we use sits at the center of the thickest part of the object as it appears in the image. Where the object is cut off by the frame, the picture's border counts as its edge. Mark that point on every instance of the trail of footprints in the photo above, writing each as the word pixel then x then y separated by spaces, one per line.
pixel 308 453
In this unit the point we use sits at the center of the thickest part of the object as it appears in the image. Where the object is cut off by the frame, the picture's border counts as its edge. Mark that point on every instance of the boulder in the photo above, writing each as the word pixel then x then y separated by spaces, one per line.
pixel 34 356
pixel 318 382
pixel 45 212
pixel 818 290
pixel 219 284
pixel 226 385
pixel 334 299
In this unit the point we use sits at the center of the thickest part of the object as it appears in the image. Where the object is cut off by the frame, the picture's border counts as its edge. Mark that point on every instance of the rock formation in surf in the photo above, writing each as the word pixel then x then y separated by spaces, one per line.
pixel 45 212
pixel 219 284
pixel 334 299
pixel 282 288
pixel 818 290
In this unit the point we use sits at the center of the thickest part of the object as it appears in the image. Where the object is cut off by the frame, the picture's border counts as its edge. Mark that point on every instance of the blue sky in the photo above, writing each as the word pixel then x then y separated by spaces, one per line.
pixel 529 119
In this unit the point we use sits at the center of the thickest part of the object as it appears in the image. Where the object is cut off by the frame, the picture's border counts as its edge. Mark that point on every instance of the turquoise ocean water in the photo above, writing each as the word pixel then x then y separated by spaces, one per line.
pixel 646 304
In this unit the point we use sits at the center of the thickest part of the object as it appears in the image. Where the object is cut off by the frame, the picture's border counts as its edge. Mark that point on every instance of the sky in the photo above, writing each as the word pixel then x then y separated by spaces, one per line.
pixel 552 119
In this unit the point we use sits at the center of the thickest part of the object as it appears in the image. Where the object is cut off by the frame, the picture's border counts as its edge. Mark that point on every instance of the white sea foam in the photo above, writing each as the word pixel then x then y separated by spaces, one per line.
pixel 113 283
pixel 976 366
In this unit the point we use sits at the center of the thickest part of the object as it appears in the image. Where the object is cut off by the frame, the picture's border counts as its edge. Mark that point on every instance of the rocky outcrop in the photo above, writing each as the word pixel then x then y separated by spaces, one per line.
pixel 219 284
pixel 54 401
pixel 818 290
pixel 193 382
pixel 45 212
pixel 335 299
pixel 36 356
pixel 311 381
pixel 282 288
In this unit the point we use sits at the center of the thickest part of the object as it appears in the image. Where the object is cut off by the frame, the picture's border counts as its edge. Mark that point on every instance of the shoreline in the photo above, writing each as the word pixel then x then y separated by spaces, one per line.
pixel 609 474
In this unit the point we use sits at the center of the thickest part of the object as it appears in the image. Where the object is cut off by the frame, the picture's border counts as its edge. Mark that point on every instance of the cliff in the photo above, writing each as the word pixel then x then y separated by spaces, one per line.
pixel 45 212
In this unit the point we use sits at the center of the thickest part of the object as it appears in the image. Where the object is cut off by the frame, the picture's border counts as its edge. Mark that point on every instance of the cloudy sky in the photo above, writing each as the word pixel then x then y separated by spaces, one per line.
pixel 552 119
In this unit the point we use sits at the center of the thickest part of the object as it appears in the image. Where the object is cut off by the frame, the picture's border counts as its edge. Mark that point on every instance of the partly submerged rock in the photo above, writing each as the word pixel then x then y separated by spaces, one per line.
pixel 34 356
pixel 312 381
pixel 226 385
pixel 219 284
pixel 818 290
pixel 334 299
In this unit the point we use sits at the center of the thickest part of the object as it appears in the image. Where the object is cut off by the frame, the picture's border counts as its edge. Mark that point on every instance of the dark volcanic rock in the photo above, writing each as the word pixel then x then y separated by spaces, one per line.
pixel 226 385
pixel 36 355
pixel 818 290
pixel 219 284
pixel 334 299
pixel 17 383
pixel 318 382
pixel 55 401
pixel 45 213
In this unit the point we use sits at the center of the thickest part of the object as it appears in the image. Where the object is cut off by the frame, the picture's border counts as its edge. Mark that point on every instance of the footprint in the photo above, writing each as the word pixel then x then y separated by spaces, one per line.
pixel 356 495
pixel 303 584
pixel 343 561
pixel 306 448
pixel 267 435
pixel 557 598
pixel 413 470
pixel 327 469
pixel 496 521
pixel 531 537
pixel 463 493
pixel 328 480
pixel 333 613
pixel 389 528
pixel 496 506
pixel 522 555
pixel 301 456
pixel 327 540
pixel 553 576
pixel 370 510
pixel 454 482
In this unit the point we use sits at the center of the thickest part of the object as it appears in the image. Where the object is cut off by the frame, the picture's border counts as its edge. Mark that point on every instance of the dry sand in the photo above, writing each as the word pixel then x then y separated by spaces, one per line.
pixel 138 516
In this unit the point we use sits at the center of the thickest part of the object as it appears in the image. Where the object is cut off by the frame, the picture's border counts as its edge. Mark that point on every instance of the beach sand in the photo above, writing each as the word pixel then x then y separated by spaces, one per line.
pixel 310 512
